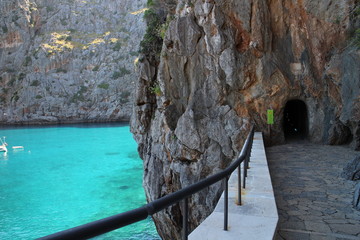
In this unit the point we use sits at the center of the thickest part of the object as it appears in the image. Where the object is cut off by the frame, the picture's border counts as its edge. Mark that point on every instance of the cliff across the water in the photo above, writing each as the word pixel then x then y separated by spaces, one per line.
pixel 66 60
pixel 223 64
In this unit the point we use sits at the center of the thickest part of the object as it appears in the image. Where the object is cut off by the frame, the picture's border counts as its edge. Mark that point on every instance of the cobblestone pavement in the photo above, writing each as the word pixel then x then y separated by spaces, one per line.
pixel 313 200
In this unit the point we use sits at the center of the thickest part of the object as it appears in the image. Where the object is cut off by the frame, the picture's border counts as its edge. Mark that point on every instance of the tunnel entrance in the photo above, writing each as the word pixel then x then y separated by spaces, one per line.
pixel 295 120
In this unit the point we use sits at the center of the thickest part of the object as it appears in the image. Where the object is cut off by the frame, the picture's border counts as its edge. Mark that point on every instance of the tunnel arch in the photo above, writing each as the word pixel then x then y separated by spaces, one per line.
pixel 295 120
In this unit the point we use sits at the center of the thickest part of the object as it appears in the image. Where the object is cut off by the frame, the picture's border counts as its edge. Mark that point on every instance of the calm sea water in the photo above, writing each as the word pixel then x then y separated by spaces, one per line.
pixel 67 176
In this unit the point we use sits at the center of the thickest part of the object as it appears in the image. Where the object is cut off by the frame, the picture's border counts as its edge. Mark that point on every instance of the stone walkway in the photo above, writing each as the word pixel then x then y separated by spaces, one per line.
pixel 313 201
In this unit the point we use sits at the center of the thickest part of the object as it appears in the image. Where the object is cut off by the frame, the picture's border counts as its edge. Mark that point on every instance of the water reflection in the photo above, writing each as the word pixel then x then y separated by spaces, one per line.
pixel 4 156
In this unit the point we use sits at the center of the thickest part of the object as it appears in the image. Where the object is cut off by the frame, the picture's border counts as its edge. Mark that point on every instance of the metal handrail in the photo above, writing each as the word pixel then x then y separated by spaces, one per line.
pixel 111 223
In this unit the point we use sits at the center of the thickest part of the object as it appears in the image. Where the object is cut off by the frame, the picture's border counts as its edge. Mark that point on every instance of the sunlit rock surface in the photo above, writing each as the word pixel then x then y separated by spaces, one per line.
pixel 68 60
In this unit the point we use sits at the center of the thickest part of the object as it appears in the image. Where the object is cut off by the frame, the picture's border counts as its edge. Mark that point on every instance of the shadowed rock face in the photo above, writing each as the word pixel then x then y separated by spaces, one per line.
pixel 223 64
pixel 68 60
pixel 352 170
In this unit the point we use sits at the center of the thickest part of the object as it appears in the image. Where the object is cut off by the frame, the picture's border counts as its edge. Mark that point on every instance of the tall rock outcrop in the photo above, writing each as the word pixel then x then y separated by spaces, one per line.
pixel 222 65
pixel 68 60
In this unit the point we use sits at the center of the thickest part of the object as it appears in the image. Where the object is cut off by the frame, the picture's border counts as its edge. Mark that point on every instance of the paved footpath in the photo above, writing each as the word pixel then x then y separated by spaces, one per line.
pixel 313 200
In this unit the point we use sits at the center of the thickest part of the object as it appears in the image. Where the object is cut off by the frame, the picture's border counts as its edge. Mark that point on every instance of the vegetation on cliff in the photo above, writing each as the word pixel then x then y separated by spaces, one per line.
pixel 155 17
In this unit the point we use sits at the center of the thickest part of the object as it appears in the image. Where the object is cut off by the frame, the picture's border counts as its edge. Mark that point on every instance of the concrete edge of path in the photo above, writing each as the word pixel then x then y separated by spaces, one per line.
pixel 257 217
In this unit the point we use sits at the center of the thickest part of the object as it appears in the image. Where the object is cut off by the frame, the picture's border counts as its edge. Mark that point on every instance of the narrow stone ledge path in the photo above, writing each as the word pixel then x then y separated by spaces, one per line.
pixel 313 200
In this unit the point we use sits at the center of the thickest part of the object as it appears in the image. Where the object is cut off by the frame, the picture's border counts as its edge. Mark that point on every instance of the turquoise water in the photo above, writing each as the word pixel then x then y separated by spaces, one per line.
pixel 67 176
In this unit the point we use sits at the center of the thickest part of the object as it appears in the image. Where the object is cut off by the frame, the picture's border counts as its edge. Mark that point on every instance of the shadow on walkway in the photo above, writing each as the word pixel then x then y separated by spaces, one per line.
pixel 313 201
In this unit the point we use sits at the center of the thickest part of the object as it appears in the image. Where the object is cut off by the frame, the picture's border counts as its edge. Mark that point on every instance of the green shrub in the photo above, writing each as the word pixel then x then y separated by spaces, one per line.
pixel 38 97
pixel 35 83
pixel 150 3
pixel 124 71
pixel 117 46
pixel 104 86
pixel 12 81
pixel 82 90
pixel 121 73
pixel 5 29
pixel 15 97
pixel 124 96
pixel 21 76
pixel 123 29
pixel 151 44
pixel 164 27
pixel 79 96
pixel 5 90
pixel 61 70
pixel 156 90
pixel 15 18
pixel 116 75
pixel 96 68
pixel 49 9
pixel 27 61
pixel 63 22
pixel 133 53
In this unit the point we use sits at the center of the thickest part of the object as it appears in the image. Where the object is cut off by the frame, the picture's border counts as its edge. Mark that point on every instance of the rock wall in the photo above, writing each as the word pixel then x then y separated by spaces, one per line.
pixel 222 65
pixel 68 60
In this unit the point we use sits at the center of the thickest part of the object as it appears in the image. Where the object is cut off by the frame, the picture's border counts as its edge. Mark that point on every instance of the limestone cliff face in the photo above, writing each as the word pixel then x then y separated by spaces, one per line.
pixel 223 64
pixel 68 60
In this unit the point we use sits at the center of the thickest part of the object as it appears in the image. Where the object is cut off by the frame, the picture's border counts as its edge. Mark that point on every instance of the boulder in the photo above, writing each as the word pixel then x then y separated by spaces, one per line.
pixel 352 170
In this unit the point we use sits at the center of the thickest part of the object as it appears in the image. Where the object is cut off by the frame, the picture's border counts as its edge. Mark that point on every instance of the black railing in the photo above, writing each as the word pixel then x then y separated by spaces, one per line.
pixel 108 224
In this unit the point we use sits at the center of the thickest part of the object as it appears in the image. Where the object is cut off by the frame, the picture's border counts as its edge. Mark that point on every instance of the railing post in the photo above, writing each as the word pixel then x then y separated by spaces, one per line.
pixel 246 165
pixel 239 185
pixel 226 204
pixel 245 173
pixel 247 158
pixel 185 218
pixel 251 143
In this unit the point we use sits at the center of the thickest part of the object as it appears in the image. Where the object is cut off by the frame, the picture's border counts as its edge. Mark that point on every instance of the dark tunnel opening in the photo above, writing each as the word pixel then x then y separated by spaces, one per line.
pixel 295 120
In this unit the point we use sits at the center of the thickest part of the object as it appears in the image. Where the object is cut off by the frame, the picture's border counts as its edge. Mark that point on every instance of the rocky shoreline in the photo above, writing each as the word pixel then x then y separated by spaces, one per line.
pixel 62 122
